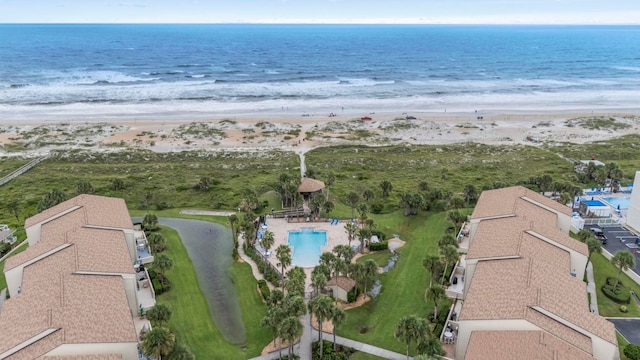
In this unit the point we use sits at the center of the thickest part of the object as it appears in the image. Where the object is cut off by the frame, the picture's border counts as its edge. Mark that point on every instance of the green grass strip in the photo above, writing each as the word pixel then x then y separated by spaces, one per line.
pixel 403 287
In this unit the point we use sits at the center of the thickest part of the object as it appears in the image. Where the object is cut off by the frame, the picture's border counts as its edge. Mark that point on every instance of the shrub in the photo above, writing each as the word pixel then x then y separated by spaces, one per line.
pixel 437 330
pixel 264 289
pixel 377 207
pixel 623 308
pixel 632 352
pixel 382 236
pixel 343 352
pixel 351 295
pixel 621 295
pixel 383 245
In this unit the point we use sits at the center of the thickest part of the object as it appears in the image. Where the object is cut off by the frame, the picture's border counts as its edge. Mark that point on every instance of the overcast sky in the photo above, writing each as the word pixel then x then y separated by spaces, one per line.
pixel 323 11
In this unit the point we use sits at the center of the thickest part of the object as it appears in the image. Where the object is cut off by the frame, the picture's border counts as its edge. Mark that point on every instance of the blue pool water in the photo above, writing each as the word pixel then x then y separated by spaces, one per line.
pixel 307 246
pixel 615 201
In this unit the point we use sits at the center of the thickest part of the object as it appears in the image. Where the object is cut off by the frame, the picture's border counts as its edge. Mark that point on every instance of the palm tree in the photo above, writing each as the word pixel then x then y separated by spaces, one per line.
pixel 457 218
pixel 52 198
pixel 158 342
pixel 291 329
pixel 408 330
pixel 433 264
pixel 566 198
pixel 363 235
pixel 370 270
pixel 447 239
pixel 344 252
pixel 283 254
pixel 594 245
pixel 267 242
pixel 338 317
pixel 331 179
pixel 450 255
pixel 160 313
pixel 150 223
pixel 351 228
pixel 295 281
pixel 272 321
pixel 157 242
pixel 470 194
pixel 584 235
pixel 363 210
pixel 623 260
pixel 386 187
pixel 322 307
pixel 181 352
pixel 328 259
pixel 352 200
pixel 456 202
pixel 318 279
pixel 435 294
pixel 328 207
pixel 233 221
pixel 368 194
pixel 162 263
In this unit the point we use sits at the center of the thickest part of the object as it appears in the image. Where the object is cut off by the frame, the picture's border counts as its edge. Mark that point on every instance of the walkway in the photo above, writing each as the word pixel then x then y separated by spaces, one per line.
pixel 359 346
pixel 591 289
pixel 254 267
pixel 22 170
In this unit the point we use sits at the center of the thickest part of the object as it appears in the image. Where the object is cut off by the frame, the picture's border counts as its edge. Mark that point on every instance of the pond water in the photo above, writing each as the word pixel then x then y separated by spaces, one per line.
pixel 377 285
pixel 209 246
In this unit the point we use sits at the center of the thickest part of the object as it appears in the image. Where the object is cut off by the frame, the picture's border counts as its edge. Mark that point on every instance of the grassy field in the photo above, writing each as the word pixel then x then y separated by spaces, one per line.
pixel 602 268
pixel 151 179
pixel 380 257
pixel 403 287
pixel 622 342
pixel 357 167
pixel 191 320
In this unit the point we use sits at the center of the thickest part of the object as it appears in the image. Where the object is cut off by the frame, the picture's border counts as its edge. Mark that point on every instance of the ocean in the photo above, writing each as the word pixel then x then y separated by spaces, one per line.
pixel 151 70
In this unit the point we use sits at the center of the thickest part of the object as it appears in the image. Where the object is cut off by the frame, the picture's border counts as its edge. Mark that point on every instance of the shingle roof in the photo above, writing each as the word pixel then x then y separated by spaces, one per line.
pixel 99 250
pixel 99 211
pixel 504 289
pixel 501 237
pixel 503 201
pixel 343 282
pixel 309 185
pixel 533 345
pixel 86 308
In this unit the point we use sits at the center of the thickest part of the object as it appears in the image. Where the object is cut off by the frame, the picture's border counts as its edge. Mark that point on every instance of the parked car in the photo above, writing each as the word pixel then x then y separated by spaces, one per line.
pixel 599 234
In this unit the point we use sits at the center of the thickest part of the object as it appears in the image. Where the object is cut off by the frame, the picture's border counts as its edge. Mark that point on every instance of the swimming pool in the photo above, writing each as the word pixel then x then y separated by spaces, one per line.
pixel 615 201
pixel 307 246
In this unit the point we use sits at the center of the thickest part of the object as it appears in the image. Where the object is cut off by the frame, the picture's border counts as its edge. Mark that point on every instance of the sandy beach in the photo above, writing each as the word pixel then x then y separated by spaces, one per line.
pixel 302 132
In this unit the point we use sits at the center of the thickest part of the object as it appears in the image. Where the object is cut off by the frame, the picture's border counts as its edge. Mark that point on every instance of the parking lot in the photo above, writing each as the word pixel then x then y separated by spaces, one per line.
pixel 619 238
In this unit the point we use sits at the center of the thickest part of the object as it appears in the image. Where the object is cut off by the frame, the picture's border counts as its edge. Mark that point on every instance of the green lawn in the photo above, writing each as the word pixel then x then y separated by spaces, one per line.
pixel 403 287
pixel 621 345
pixel 606 307
pixel 191 320
pixel 380 257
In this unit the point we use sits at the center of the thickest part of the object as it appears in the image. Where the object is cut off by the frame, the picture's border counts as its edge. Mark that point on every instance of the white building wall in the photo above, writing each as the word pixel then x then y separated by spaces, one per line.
pixel 128 350
pixel 14 280
pixel 633 214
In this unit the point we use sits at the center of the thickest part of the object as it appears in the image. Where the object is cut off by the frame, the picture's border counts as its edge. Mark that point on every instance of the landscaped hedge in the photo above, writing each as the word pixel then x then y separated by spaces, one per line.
pixel 266 269
pixel 632 352
pixel 264 289
pixel 384 245
pixel 343 352
pixel 621 295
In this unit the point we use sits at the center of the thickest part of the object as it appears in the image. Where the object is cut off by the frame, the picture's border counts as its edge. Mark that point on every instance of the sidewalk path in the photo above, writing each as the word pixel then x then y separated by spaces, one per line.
pixel 359 346
pixel 254 267
pixel 206 212
pixel 591 289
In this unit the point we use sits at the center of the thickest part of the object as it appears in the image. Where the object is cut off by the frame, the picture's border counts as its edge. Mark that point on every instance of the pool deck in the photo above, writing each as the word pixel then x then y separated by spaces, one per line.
pixel 336 235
